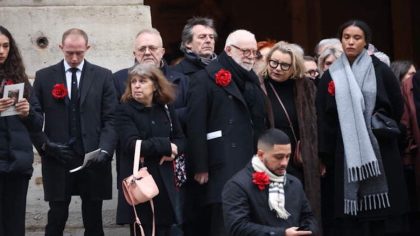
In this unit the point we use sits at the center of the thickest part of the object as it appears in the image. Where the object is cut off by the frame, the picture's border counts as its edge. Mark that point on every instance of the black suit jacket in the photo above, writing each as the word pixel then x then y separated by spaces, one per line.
pixel 97 106
pixel 246 211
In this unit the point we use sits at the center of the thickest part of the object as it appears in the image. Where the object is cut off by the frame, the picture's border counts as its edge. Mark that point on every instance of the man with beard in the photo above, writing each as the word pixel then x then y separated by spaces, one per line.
pixel 198 40
pixel 226 109
pixel 262 199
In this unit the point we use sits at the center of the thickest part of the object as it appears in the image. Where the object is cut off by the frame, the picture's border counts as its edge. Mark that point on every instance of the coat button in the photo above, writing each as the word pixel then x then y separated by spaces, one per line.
pixel 230 121
pixel 153 122
pixel 234 145
pixel 230 96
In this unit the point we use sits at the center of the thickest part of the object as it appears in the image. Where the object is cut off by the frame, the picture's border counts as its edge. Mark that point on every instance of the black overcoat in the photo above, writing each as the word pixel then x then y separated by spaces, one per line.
pixel 219 130
pixel 97 116
pixel 247 213
pixel 152 126
pixel 332 151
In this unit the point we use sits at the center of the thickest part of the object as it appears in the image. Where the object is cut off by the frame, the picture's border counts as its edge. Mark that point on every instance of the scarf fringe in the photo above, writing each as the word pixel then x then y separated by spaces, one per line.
pixel 367 203
pixel 366 171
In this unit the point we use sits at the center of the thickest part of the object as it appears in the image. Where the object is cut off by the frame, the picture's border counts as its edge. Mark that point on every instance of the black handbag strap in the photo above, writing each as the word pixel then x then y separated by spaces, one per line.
pixel 285 111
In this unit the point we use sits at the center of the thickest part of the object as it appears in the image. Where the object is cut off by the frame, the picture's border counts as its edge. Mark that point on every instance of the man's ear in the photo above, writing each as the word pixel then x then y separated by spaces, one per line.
pixel 260 154
pixel 228 50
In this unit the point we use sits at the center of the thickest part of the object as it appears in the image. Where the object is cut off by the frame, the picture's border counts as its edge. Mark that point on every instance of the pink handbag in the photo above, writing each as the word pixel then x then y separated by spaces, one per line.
pixel 139 188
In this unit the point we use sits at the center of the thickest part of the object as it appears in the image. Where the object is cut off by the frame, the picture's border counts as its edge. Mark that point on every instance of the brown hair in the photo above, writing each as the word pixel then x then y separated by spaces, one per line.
pixel 165 90
pixel 74 31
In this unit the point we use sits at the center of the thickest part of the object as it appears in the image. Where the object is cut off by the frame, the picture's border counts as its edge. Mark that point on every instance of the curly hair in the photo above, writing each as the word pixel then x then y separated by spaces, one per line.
pixel 13 67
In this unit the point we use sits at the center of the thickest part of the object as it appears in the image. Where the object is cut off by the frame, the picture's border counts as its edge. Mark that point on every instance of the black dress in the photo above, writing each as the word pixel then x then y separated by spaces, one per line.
pixel 286 92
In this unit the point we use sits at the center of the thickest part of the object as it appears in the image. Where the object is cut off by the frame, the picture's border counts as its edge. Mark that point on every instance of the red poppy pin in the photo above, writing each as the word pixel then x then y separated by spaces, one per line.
pixel 9 82
pixel 331 88
pixel 223 77
pixel 260 179
pixel 59 91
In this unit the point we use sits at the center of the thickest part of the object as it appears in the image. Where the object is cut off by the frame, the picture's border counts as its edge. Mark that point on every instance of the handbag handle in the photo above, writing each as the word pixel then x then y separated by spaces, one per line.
pixel 137 157
pixel 135 170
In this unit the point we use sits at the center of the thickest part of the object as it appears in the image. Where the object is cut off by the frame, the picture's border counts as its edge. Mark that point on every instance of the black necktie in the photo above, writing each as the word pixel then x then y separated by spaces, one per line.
pixel 74 91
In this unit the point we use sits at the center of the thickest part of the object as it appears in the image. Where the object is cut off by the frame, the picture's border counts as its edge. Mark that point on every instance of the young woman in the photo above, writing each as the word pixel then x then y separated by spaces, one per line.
pixel 16 155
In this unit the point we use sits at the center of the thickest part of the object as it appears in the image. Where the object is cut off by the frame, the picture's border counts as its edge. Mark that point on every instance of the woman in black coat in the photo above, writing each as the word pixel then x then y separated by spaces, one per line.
pixel 143 114
pixel 292 98
pixel 16 155
pixel 364 191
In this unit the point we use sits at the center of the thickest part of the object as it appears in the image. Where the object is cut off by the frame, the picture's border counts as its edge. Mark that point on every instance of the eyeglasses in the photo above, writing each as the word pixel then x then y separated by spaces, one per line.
pixel 283 66
pixel 312 73
pixel 143 49
pixel 246 52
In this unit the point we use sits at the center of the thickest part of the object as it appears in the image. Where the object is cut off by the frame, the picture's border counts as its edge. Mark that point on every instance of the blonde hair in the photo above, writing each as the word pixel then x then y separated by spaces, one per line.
pixel 165 90
pixel 298 65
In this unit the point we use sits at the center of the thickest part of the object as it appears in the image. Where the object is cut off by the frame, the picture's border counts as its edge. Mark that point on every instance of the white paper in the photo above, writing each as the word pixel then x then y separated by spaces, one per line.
pixel 14 91
pixel 213 135
pixel 88 156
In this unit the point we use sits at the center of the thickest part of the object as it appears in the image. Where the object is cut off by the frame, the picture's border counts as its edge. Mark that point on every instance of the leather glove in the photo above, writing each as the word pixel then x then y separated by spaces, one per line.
pixel 62 153
pixel 100 160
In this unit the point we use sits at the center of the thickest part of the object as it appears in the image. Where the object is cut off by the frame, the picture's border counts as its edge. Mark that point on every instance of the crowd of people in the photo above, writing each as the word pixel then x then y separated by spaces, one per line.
pixel 258 139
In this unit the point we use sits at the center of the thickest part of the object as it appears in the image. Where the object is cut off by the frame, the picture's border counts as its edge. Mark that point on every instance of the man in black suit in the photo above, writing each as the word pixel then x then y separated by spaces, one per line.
pixel 262 199
pixel 78 100
pixel 226 108
pixel 198 41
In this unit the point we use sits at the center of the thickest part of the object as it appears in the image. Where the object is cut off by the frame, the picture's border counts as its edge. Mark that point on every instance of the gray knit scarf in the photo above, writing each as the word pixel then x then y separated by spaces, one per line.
pixel 365 184
pixel 276 198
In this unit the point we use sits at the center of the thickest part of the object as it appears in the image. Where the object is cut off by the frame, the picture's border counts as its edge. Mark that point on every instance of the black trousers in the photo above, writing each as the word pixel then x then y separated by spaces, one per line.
pixel 59 212
pixel 91 209
pixel 13 190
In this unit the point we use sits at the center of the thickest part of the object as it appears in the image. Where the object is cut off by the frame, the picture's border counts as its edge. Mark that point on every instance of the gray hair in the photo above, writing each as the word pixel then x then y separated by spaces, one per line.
pixel 187 34
pixel 331 51
pixel 151 31
pixel 236 35
pixel 325 43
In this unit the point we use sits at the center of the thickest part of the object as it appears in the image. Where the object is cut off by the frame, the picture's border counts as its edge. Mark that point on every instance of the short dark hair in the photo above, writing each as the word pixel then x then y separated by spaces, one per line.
pixel 187 34
pixel 360 24
pixel 273 137
pixel 74 31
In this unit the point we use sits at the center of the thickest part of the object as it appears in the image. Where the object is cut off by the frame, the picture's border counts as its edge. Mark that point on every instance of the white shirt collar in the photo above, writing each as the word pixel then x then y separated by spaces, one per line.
pixel 67 66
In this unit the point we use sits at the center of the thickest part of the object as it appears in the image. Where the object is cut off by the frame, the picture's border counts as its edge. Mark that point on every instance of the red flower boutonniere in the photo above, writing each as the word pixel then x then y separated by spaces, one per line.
pixel 59 91
pixel 9 82
pixel 261 179
pixel 223 77
pixel 331 88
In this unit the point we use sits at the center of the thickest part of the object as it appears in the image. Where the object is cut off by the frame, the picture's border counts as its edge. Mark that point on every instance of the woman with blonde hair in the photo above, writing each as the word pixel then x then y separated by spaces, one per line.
pixel 292 98
pixel 144 114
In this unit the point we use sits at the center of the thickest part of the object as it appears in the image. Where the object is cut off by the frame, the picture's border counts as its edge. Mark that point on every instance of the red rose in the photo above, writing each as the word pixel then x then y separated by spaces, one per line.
pixel 9 82
pixel 261 179
pixel 223 77
pixel 59 91
pixel 331 88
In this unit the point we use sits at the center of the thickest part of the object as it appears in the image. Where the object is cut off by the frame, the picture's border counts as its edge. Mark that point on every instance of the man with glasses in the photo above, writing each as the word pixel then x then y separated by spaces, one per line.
pixel 198 41
pixel 226 112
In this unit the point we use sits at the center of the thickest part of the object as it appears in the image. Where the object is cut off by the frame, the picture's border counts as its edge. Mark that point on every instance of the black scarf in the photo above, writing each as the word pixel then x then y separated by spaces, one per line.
pixel 416 94
pixel 249 85
pixel 197 60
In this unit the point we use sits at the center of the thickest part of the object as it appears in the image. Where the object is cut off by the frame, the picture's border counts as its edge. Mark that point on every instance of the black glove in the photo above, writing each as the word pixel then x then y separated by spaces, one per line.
pixel 62 153
pixel 100 160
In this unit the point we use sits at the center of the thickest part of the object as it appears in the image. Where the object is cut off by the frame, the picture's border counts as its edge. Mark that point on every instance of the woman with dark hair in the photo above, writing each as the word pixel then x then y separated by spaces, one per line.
pixel 16 155
pixel 144 115
pixel 403 70
pixel 292 98
pixel 364 192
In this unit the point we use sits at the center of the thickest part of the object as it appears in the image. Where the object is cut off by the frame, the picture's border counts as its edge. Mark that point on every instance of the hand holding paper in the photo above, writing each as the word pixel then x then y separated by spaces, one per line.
pixel 88 157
